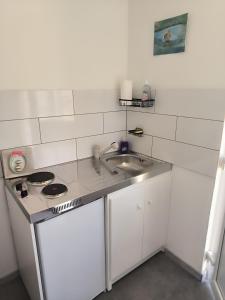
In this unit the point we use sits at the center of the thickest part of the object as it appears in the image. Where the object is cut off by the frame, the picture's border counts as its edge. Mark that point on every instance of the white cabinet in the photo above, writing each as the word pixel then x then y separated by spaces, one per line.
pixel 137 224
pixel 126 229
pixel 156 213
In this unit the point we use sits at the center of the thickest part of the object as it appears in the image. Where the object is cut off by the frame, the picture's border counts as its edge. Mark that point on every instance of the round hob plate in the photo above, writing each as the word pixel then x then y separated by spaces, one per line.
pixel 40 178
pixel 54 190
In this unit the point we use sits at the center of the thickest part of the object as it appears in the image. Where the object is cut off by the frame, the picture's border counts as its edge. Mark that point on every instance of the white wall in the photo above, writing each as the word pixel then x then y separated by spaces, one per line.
pixel 203 63
pixel 62 44
pixel 189 215
pixel 185 126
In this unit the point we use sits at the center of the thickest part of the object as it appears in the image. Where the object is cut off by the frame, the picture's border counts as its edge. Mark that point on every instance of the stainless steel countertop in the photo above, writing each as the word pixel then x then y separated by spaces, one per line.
pixel 87 180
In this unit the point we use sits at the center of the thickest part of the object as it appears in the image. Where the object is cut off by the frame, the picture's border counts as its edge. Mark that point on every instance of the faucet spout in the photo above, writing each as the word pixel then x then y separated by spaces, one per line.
pixel 99 153
pixel 113 146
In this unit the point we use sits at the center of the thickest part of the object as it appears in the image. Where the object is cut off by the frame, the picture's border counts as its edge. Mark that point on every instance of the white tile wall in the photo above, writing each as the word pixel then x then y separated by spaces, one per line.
pixel 189 214
pixel 114 121
pixel 54 153
pixel 92 101
pixel 199 132
pixel 141 144
pixel 194 158
pixel 97 111
pixel 47 118
pixel 153 124
pixel 142 109
pixel 19 133
pixel 89 124
pixel 32 104
pixel 57 128
pixel 189 118
pixel 68 127
pixel 85 145
pixel 196 103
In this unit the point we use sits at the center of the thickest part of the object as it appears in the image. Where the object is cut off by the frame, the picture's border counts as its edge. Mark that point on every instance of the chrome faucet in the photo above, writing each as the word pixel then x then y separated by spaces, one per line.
pixel 99 153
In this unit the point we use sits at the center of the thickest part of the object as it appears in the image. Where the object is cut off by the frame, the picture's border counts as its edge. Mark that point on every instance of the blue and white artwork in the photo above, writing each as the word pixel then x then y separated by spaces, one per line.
pixel 170 35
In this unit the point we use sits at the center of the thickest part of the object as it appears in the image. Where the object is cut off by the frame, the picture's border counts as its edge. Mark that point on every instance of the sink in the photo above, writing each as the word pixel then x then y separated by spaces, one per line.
pixel 130 163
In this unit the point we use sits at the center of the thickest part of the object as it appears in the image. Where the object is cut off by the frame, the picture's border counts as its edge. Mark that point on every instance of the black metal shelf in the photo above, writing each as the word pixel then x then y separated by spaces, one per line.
pixel 137 102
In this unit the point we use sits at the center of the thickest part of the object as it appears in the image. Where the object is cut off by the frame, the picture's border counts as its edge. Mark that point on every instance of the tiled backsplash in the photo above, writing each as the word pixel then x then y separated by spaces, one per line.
pixel 190 157
pixel 34 104
pixel 184 128
pixel 60 125
pixel 85 144
pixel 194 103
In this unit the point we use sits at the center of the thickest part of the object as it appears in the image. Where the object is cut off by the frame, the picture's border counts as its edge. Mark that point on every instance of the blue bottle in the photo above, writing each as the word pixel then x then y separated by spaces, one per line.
pixel 124 147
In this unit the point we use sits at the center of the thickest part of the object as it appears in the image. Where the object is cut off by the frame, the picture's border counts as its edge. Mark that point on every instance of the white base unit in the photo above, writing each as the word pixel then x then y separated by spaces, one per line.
pixel 72 253
pixel 64 257
pixel 137 222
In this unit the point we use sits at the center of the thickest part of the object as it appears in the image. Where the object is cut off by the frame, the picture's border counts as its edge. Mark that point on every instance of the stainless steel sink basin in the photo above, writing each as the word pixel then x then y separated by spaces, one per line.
pixel 130 163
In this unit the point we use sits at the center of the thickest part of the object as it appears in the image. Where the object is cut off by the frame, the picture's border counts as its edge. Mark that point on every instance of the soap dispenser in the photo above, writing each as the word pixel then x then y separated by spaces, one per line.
pixel 124 146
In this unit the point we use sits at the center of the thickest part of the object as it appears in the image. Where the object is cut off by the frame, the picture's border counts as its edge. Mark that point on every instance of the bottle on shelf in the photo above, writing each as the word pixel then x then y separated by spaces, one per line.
pixel 146 92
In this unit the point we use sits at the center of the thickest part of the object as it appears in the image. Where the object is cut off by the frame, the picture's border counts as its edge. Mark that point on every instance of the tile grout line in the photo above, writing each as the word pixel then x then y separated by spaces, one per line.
pixel 152 145
pixel 176 129
pixel 101 112
pixel 113 111
pixel 39 126
pixel 76 148
pixel 59 141
pixel 180 142
pixel 118 131
pixel 58 116
pixel 83 137
pixel 179 116
pixel 73 95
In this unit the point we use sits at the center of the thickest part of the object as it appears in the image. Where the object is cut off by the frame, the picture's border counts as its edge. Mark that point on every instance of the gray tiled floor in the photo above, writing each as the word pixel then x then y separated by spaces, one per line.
pixel 13 290
pixel 158 279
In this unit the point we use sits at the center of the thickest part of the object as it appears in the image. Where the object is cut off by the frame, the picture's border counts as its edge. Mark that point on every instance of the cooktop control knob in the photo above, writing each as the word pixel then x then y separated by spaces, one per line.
pixel 21 189
pixel 19 186
pixel 17 162
pixel 24 193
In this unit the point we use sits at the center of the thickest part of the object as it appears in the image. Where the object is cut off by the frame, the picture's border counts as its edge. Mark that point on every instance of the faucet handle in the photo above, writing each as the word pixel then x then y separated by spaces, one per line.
pixel 115 146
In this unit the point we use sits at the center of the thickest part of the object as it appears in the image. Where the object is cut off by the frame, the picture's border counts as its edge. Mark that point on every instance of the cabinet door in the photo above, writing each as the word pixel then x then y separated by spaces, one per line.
pixel 126 228
pixel 156 213
pixel 72 252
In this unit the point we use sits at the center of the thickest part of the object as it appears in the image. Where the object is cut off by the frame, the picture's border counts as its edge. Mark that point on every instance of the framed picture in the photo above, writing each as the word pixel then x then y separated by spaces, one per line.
pixel 170 34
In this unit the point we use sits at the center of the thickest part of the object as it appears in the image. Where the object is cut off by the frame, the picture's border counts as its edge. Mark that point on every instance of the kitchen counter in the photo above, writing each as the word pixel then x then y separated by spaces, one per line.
pixel 87 180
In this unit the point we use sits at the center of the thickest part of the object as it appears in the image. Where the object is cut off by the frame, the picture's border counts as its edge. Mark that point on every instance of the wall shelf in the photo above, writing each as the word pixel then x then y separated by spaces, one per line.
pixel 137 102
